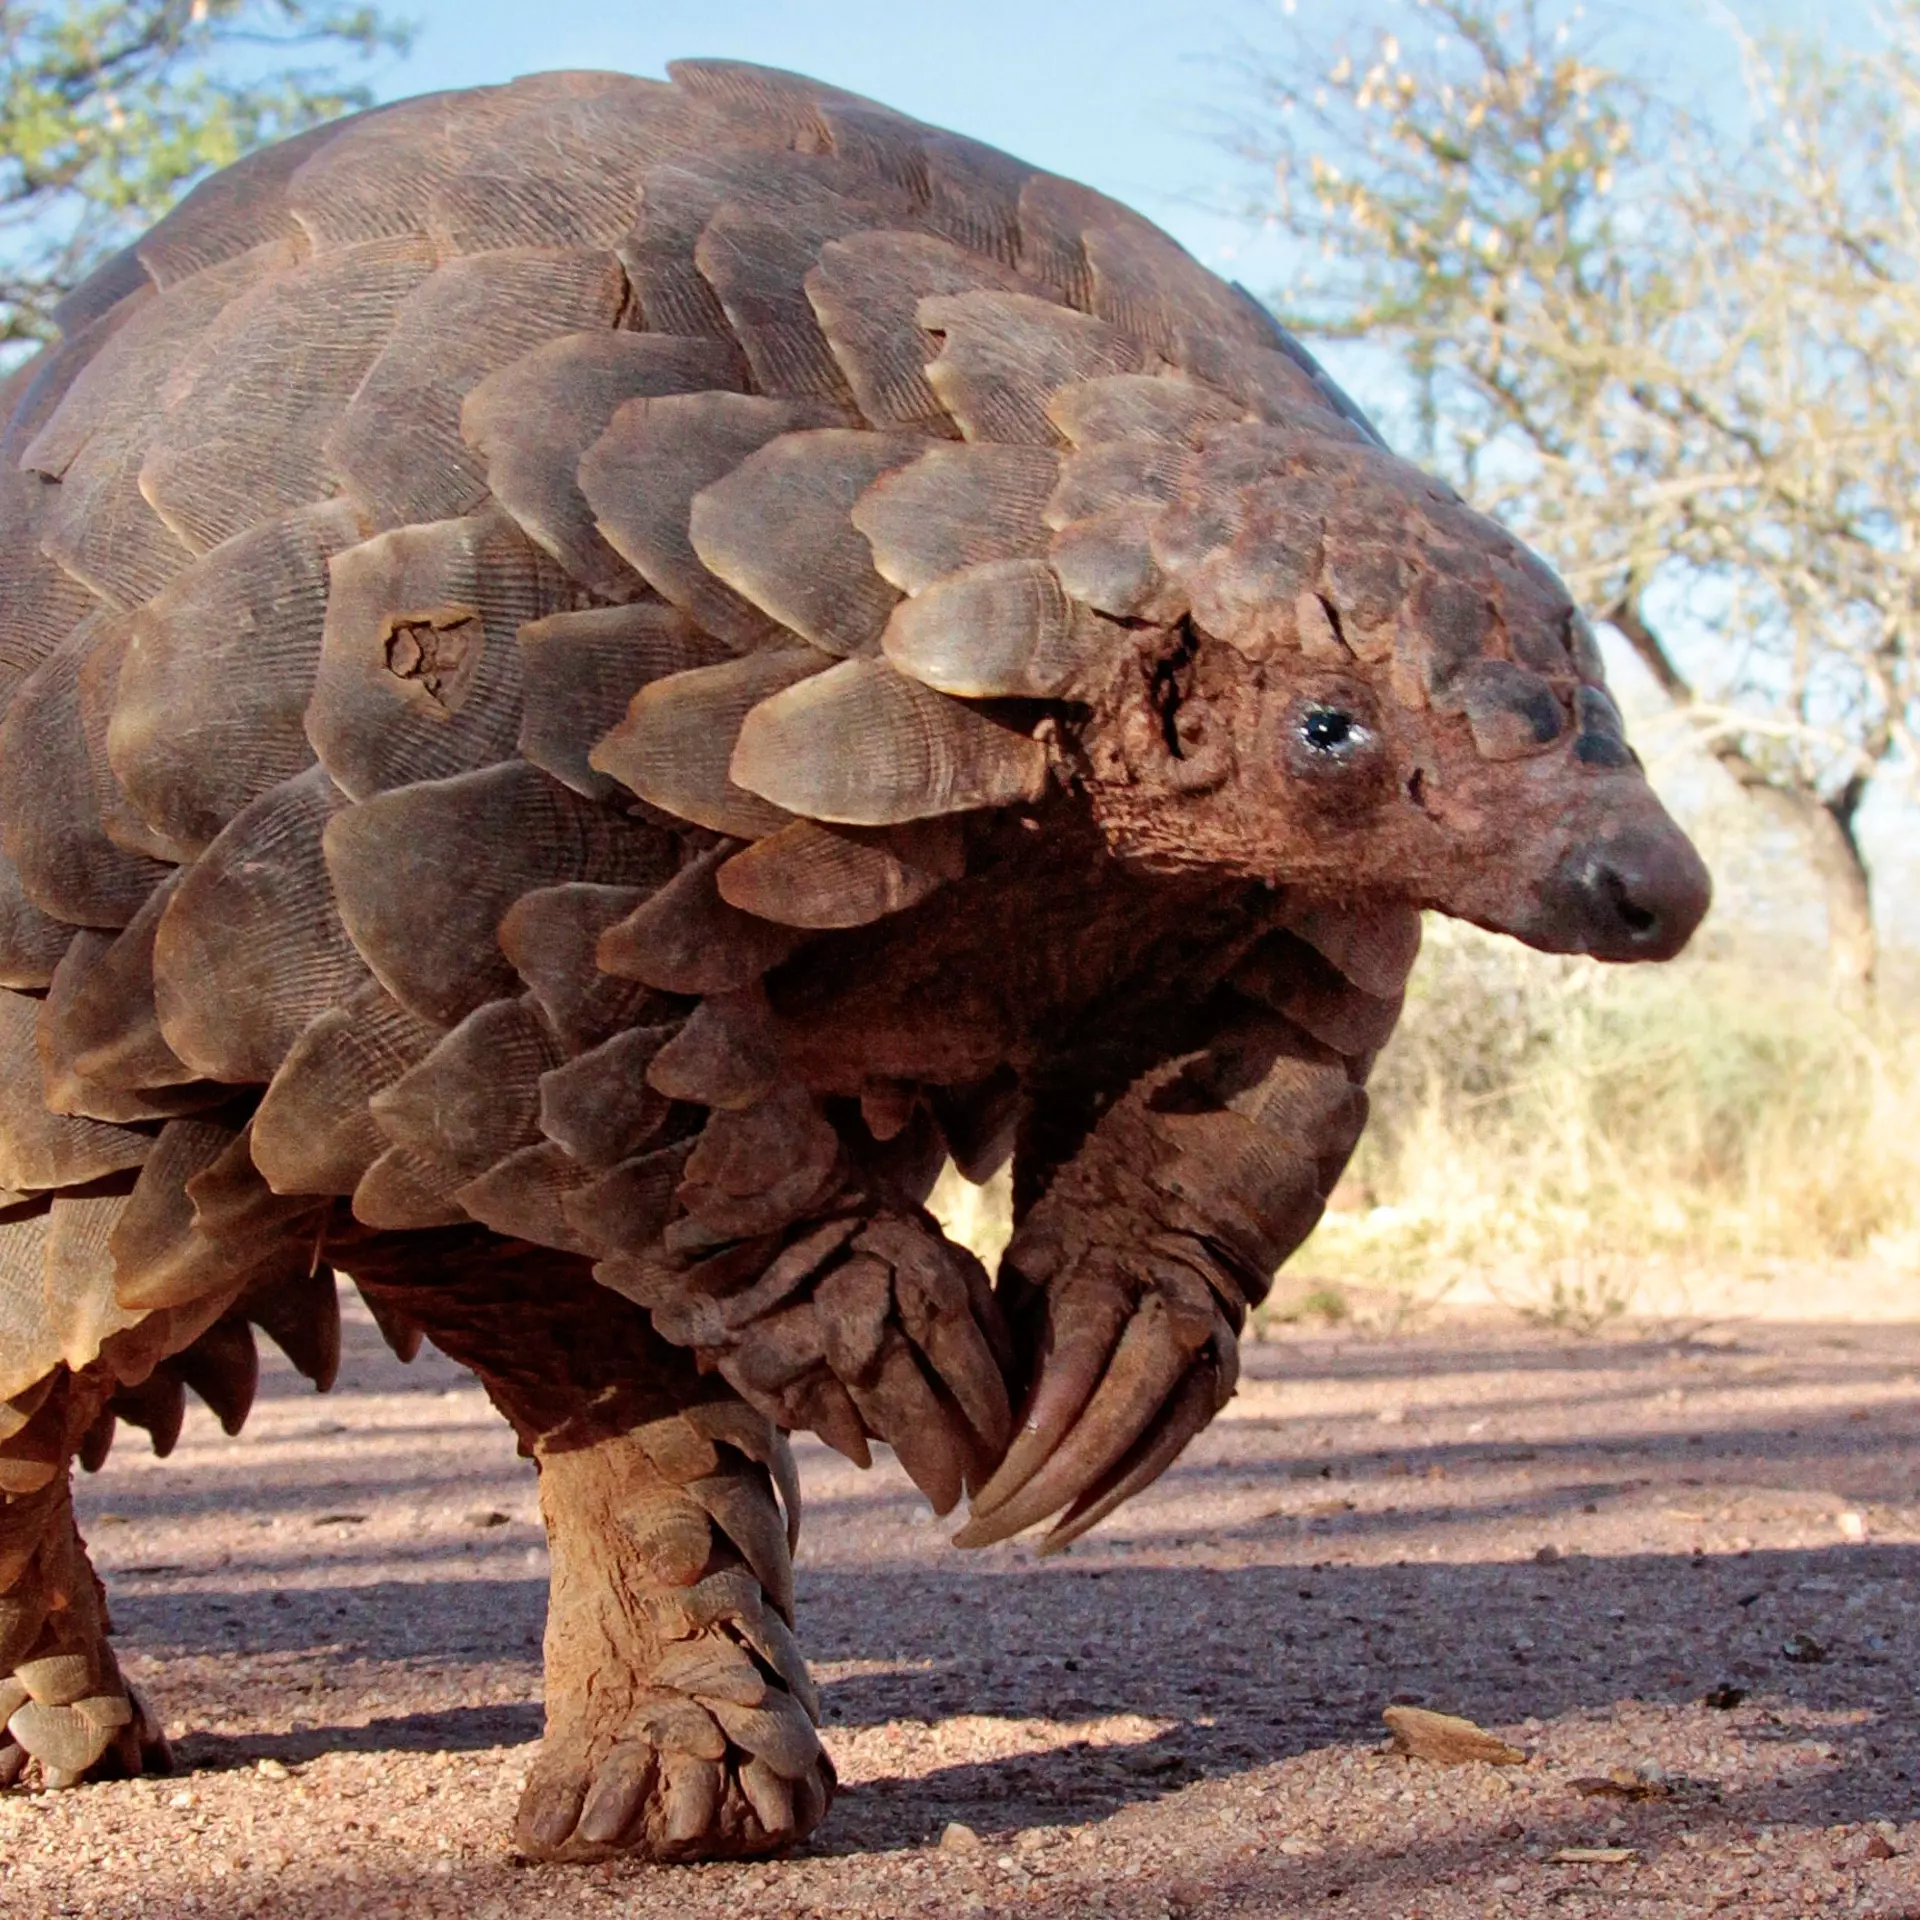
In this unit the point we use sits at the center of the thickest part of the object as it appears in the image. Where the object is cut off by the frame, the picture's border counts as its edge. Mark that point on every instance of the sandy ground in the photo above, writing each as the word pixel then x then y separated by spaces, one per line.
pixel 338 1615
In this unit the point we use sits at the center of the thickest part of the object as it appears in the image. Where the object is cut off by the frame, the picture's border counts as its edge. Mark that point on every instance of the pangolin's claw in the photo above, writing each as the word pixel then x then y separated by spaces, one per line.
pixel 1193 1403
pixel 1083 1326
pixel 1145 1368
pixel 1107 1417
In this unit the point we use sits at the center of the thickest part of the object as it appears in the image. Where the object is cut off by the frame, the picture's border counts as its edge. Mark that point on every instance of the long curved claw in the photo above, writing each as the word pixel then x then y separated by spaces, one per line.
pixel 1145 1368
pixel 1188 1409
pixel 1083 1323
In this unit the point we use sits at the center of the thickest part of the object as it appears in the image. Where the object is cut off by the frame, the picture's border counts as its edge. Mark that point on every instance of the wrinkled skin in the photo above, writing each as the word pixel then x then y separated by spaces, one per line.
pixel 1453 748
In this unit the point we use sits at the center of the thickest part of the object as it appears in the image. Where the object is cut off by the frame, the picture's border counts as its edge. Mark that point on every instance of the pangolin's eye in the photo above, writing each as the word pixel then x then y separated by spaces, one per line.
pixel 1327 730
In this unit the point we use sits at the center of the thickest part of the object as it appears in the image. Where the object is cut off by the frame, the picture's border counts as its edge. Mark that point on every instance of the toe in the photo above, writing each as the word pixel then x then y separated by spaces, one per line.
pixel 549 1810
pixel 618 1795
pixel 691 1798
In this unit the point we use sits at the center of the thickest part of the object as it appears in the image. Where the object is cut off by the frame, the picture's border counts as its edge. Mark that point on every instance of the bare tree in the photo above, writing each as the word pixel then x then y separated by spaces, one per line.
pixel 1686 364
pixel 107 112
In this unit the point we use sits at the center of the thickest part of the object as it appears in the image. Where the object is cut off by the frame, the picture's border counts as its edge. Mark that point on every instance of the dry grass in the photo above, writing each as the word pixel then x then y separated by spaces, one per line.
pixel 1566 1124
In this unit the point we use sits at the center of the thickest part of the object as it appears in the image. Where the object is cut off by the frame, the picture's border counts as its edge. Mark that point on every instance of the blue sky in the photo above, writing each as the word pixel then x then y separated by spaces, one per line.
pixel 1127 95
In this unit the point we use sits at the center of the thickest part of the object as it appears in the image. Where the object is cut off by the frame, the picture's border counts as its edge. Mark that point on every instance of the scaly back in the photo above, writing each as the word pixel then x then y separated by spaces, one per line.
pixel 478 579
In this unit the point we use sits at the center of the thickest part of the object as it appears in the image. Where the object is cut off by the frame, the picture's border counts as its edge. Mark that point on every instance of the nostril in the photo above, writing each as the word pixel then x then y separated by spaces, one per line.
pixel 1638 920
pixel 1636 895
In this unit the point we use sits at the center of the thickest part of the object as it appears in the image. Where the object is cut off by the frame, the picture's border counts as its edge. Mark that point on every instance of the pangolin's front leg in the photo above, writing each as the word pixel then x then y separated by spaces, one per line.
pixel 679 1715
pixel 798 1262
pixel 1130 1277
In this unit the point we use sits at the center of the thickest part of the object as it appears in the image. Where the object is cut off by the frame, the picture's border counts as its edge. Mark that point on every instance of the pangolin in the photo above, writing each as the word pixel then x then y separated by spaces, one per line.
pixel 599 674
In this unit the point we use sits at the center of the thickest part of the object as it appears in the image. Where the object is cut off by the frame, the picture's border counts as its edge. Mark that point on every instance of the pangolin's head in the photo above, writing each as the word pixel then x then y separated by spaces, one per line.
pixel 1358 684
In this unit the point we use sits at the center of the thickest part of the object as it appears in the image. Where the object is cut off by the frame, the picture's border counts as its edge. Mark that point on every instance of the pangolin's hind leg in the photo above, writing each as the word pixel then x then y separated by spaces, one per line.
pixel 63 1703
pixel 680 1719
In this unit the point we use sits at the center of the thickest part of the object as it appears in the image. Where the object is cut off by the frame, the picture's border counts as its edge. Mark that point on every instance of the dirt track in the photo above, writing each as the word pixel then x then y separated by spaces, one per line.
pixel 338 1615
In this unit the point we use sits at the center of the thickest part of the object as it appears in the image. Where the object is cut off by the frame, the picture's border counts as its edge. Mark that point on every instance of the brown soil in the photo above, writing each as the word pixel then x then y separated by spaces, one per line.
pixel 338 1617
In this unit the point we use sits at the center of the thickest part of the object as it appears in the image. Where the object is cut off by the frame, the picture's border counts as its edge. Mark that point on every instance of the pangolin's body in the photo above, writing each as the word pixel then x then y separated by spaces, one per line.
pixel 599 674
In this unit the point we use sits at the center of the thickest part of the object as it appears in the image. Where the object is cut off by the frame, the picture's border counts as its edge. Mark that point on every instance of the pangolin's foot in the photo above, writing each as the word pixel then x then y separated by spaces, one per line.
pixel 1131 1367
pixel 680 1717
pixel 106 1733
pixel 679 1782
pixel 66 1715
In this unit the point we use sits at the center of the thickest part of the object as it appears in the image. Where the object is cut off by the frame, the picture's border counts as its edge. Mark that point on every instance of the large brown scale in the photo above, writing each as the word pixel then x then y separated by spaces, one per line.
pixel 598 675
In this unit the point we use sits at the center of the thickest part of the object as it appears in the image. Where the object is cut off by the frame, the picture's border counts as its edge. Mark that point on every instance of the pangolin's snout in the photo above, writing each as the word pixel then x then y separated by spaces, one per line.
pixel 1635 894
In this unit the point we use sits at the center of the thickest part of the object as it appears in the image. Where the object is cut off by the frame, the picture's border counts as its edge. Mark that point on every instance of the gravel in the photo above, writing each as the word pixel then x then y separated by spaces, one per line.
pixel 1573 1543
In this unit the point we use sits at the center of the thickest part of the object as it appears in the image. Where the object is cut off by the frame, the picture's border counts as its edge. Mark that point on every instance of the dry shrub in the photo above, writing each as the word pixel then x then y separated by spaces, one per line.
pixel 979 1217
pixel 1536 1110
